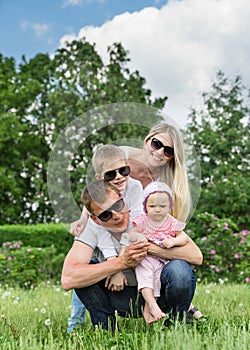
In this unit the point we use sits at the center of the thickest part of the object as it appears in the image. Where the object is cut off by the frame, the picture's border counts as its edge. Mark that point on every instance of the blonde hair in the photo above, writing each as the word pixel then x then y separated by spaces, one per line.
pixel 174 174
pixel 106 154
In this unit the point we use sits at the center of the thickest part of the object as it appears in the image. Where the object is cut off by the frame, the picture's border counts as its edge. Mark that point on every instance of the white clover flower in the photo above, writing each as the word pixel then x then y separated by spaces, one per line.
pixel 36 309
pixel 15 302
pixel 6 294
pixel 43 311
pixel 47 322
pixel 207 291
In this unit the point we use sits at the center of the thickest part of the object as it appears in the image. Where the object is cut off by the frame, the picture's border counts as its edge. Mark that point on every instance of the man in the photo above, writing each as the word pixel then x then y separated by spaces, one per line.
pixel 108 212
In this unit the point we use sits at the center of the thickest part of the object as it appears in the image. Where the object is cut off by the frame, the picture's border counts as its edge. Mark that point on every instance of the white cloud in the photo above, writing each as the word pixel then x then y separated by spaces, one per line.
pixel 180 47
pixel 40 29
pixel 67 3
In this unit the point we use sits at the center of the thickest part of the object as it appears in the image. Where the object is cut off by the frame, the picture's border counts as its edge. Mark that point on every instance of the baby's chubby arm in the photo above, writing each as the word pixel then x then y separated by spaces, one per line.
pixel 179 240
pixel 135 235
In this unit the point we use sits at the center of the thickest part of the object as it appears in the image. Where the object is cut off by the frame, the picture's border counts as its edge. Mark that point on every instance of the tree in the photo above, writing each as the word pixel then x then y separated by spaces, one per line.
pixel 42 98
pixel 220 133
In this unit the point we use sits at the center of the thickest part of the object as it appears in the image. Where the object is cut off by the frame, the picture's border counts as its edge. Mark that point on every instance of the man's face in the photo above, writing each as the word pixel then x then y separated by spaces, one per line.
pixel 119 219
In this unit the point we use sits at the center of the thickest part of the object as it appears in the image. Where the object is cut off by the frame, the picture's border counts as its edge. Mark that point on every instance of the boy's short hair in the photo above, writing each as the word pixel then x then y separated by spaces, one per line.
pixel 110 153
pixel 97 192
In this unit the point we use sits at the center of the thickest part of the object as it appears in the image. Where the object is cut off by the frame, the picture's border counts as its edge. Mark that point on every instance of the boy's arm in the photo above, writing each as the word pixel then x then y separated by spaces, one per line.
pixel 77 227
pixel 189 252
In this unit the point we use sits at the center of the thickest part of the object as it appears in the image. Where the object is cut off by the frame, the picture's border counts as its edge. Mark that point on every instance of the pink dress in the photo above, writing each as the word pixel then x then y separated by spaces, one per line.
pixel 148 272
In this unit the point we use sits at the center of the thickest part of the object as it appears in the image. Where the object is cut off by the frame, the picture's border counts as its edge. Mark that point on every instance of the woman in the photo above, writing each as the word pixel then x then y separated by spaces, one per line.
pixel 162 158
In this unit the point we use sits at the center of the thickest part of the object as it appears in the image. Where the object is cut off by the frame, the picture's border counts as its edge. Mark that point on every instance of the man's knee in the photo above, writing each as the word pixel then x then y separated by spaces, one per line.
pixel 178 272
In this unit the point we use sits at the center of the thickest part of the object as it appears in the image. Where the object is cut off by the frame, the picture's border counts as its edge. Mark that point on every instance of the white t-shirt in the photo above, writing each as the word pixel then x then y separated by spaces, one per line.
pixel 102 241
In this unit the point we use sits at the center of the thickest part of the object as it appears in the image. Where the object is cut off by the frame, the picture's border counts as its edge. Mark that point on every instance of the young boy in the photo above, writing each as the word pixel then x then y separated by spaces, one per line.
pixel 109 163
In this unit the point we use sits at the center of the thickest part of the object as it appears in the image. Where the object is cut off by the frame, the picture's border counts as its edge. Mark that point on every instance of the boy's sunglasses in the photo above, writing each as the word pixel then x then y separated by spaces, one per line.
pixel 106 215
pixel 110 175
pixel 157 144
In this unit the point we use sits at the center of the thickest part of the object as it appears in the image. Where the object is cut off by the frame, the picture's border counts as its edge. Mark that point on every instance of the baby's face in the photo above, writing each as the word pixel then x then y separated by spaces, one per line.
pixel 158 206
pixel 117 169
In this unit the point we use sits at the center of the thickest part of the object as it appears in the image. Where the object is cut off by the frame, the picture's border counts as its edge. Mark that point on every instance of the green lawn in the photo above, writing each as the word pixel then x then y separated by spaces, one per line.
pixel 37 319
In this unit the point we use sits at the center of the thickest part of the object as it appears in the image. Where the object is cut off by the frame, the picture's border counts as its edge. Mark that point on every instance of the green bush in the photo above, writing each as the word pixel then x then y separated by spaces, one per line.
pixel 35 253
pixel 40 235
pixel 27 266
pixel 225 249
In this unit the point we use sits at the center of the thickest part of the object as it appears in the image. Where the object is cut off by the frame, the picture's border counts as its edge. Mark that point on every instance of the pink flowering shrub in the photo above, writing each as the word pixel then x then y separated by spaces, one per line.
pixel 26 266
pixel 225 248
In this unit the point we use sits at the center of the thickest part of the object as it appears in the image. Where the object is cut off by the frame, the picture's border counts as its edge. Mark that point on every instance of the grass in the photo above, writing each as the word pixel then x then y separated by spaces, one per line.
pixel 37 319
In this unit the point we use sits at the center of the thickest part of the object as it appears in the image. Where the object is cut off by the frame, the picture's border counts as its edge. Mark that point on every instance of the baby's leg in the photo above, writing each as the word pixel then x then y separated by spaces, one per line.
pixel 151 312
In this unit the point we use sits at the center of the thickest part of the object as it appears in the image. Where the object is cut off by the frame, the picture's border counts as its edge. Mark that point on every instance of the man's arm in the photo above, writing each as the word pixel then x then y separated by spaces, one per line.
pixel 189 252
pixel 78 273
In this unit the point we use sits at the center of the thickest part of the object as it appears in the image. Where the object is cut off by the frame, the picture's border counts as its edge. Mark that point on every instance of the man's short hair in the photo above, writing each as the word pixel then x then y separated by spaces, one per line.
pixel 97 192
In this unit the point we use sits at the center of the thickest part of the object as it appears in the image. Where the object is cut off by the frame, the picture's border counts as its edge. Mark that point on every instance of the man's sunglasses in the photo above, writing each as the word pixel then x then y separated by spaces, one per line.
pixel 106 215
pixel 110 175
pixel 157 144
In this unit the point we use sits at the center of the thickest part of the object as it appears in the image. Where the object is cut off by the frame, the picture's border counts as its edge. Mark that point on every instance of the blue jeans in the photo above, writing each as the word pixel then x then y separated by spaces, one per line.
pixel 177 290
pixel 77 313
pixel 178 285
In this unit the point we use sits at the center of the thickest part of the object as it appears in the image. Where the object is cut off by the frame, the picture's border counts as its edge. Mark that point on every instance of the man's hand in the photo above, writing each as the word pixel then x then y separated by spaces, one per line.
pixel 116 282
pixel 134 254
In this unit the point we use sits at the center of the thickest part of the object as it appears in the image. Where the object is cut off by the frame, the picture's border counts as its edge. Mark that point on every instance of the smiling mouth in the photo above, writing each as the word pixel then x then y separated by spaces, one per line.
pixel 156 157
pixel 119 183
pixel 120 223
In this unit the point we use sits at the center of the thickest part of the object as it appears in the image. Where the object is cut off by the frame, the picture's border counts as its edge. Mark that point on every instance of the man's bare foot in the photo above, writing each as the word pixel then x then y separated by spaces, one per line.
pixel 152 313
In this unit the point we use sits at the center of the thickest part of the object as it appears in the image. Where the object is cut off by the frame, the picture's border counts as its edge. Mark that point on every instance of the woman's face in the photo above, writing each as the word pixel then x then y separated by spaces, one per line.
pixel 157 154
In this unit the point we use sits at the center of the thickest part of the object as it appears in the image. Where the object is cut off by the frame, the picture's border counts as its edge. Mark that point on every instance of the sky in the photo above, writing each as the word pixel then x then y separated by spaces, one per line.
pixel 176 45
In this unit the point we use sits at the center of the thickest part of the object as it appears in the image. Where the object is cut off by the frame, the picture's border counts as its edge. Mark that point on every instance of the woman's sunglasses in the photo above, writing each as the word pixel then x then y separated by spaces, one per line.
pixel 157 144
pixel 106 215
pixel 110 175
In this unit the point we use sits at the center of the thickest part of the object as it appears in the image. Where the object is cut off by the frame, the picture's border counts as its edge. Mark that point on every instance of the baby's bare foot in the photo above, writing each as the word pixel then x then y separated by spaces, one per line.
pixel 152 313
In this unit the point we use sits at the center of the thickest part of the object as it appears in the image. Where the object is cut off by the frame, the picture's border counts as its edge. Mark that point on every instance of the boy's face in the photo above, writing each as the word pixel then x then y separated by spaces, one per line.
pixel 158 206
pixel 120 181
